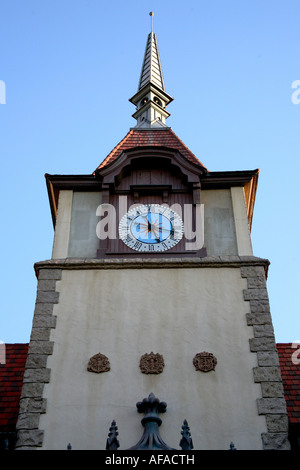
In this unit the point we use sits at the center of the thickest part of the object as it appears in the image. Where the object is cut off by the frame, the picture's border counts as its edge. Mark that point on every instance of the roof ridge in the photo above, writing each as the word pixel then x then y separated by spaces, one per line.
pixel 149 137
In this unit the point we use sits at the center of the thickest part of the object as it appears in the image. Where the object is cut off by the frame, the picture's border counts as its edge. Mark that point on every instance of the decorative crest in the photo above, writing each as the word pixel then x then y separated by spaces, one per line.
pixel 152 363
pixel 205 361
pixel 98 363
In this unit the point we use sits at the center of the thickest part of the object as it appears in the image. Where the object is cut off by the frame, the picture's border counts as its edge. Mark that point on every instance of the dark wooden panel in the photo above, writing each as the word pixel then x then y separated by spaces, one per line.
pixel 178 201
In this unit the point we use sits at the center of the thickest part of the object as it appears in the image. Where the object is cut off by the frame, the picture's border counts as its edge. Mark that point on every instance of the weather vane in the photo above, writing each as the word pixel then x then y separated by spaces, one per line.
pixel 151 14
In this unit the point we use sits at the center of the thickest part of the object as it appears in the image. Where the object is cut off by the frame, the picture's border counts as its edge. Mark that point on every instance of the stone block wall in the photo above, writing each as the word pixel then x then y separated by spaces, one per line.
pixel 267 373
pixel 36 375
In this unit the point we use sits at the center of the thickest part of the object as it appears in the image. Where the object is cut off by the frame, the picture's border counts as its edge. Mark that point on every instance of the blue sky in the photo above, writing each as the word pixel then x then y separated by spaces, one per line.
pixel 69 68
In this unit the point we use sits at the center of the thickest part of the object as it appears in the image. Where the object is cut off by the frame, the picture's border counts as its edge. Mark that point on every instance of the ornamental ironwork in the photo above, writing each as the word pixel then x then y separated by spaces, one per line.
pixel 151 407
pixel 151 439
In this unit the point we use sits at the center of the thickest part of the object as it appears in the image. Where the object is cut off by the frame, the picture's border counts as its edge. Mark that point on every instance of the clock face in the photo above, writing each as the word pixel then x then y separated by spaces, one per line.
pixel 151 228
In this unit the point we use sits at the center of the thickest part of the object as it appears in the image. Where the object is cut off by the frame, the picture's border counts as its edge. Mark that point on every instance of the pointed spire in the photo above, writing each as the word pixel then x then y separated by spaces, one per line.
pixel 151 98
pixel 151 69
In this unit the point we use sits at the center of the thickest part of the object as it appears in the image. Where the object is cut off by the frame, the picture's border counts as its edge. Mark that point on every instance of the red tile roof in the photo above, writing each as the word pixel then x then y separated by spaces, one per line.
pixel 289 360
pixel 147 138
pixel 12 366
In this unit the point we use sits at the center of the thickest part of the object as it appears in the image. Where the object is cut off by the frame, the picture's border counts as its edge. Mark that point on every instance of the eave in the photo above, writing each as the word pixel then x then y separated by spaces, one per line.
pixel 56 183
pixel 248 179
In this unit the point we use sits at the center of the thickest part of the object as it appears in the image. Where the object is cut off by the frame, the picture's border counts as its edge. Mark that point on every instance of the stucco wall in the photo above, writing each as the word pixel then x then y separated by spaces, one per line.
pixel 175 312
pixel 83 238
pixel 219 226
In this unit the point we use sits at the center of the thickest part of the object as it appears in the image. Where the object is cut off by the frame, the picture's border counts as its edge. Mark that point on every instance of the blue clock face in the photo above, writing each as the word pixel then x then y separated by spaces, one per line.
pixel 151 227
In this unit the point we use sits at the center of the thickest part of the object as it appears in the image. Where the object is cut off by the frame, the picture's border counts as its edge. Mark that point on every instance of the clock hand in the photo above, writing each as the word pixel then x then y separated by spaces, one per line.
pixel 139 223
pixel 161 229
pixel 149 221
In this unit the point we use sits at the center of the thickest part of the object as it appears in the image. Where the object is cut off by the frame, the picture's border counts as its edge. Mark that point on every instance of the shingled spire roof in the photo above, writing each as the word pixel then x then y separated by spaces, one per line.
pixel 151 69
pixel 151 98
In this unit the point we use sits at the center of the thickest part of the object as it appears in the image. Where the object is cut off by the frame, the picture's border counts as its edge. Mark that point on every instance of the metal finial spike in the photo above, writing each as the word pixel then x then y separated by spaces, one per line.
pixel 112 442
pixel 151 14
pixel 186 442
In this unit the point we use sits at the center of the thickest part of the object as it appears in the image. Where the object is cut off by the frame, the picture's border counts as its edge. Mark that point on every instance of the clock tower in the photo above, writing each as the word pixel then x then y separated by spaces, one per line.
pixel 152 302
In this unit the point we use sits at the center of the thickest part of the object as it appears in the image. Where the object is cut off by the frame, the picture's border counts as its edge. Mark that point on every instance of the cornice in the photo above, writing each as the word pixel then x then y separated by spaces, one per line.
pixel 152 263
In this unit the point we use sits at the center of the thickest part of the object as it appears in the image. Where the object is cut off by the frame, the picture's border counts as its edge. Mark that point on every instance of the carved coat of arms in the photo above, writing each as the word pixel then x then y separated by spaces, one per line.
pixel 98 363
pixel 152 363
pixel 205 361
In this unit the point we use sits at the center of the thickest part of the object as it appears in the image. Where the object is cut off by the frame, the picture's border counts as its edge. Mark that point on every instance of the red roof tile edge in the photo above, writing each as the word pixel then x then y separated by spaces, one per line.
pixel 289 360
pixel 12 367
pixel 145 138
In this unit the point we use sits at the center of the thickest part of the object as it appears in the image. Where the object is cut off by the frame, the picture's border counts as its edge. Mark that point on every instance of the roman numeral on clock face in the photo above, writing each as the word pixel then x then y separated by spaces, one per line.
pixel 137 245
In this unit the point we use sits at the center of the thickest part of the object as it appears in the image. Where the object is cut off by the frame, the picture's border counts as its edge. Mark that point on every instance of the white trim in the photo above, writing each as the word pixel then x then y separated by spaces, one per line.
pixel 63 223
pixel 242 230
